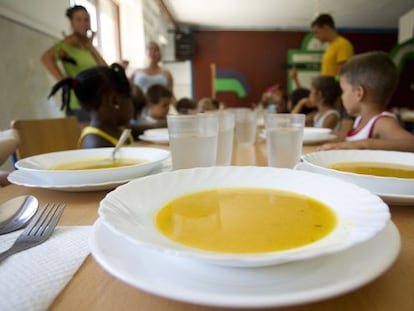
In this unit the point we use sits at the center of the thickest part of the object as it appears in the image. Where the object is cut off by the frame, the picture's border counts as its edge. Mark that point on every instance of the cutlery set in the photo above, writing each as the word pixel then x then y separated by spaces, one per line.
pixel 39 229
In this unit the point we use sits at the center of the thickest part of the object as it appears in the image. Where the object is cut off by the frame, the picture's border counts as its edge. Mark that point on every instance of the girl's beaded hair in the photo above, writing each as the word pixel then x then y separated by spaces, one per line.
pixel 91 85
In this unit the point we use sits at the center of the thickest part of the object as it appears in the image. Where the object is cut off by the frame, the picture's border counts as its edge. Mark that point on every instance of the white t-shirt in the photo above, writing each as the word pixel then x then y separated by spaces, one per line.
pixel 318 119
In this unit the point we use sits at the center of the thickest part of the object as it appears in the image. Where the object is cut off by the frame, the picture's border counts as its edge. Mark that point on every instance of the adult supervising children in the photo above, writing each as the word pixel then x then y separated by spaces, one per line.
pixel 339 50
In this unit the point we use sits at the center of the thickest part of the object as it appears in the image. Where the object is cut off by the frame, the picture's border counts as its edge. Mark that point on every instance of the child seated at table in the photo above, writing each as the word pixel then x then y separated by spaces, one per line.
pixel 158 104
pixel 324 95
pixel 368 81
pixel 104 92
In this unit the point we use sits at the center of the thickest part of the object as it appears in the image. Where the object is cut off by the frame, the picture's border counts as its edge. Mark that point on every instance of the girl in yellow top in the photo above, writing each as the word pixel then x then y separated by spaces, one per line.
pixel 105 93
pixel 76 53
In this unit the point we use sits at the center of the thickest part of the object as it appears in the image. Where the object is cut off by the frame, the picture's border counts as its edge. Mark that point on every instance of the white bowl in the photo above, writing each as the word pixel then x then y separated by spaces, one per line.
pixel 40 165
pixel 129 210
pixel 314 133
pixel 318 162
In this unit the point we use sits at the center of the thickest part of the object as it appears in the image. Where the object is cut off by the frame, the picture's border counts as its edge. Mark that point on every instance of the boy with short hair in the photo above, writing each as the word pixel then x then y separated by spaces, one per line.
pixel 368 81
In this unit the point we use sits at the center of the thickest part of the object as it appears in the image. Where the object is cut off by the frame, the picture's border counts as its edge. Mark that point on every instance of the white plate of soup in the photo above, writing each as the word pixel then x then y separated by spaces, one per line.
pixel 243 216
pixel 92 166
pixel 386 173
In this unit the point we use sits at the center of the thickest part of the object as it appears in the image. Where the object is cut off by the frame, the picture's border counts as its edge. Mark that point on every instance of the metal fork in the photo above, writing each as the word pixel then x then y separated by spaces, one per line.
pixel 39 229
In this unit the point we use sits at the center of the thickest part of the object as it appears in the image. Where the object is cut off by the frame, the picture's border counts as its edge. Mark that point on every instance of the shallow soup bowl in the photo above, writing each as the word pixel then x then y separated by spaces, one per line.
pixel 360 214
pixel 43 166
pixel 319 162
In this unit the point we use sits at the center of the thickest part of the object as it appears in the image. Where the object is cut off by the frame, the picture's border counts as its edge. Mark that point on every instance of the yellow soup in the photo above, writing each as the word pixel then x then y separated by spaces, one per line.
pixel 376 169
pixel 92 164
pixel 245 220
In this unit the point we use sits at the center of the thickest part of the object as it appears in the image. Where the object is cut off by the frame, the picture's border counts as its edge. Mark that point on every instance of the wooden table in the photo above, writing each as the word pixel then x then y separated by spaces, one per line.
pixel 94 289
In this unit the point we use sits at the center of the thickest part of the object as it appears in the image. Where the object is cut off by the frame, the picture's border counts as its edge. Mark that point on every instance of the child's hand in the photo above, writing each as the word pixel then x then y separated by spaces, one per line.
pixel 305 102
pixel 293 73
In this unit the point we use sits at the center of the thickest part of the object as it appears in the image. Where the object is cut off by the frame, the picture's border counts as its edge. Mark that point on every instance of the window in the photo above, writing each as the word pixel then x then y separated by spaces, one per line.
pixel 104 16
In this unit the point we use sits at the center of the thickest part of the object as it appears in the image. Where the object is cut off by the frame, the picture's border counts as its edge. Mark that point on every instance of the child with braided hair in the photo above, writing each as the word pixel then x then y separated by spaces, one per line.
pixel 105 93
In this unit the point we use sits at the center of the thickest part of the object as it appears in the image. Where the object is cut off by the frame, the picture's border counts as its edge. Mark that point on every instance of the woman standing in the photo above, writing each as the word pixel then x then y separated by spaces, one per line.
pixel 76 53
pixel 153 73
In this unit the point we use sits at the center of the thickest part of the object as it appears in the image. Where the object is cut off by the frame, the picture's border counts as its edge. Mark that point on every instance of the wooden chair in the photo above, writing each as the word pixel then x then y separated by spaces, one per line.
pixel 46 135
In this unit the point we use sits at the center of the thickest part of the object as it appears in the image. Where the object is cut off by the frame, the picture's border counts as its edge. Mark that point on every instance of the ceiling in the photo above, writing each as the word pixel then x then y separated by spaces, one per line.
pixel 285 14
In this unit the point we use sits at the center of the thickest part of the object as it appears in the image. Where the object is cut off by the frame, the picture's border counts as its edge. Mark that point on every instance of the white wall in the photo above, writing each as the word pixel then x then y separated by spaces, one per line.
pixel 47 16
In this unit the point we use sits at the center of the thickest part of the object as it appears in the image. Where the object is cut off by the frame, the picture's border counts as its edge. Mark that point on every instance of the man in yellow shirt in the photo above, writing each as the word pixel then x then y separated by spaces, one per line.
pixel 339 50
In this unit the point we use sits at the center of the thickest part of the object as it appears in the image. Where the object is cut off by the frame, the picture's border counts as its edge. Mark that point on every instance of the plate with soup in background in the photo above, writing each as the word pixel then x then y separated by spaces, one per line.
pixel 92 166
pixel 389 174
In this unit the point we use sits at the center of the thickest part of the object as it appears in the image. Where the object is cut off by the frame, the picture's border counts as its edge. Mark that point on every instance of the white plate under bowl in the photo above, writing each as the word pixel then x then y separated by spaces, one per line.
pixel 319 162
pixel 39 165
pixel 273 286
pixel 28 179
pixel 130 210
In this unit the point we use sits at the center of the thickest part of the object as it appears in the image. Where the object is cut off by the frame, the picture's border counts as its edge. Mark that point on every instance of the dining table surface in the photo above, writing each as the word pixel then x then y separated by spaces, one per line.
pixel 93 288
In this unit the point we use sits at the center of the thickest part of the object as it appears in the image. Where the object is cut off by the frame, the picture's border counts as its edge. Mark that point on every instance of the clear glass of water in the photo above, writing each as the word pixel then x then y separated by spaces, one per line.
pixel 246 125
pixel 284 138
pixel 225 137
pixel 193 140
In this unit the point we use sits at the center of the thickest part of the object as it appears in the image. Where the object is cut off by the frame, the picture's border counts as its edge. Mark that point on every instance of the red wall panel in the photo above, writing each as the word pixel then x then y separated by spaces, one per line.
pixel 259 56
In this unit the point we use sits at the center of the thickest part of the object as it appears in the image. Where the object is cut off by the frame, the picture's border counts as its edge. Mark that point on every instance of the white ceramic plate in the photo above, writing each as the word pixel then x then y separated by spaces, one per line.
pixel 312 133
pixel 163 132
pixel 131 208
pixel 28 179
pixel 273 286
pixel 39 165
pixel 154 139
pixel 309 140
pixel 387 186
pixel 388 198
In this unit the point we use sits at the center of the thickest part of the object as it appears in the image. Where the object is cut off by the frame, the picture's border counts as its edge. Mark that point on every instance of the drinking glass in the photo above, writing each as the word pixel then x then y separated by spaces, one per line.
pixel 193 140
pixel 284 137
pixel 225 137
pixel 246 124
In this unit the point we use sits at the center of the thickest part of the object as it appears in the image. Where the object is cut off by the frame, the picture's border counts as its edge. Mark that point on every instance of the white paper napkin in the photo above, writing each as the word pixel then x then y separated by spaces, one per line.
pixel 31 279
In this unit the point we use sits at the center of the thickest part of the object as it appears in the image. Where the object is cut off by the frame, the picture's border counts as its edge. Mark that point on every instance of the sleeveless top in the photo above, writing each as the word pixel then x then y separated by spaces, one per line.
pixel 77 60
pixel 318 119
pixel 144 80
pixel 90 130
pixel 366 131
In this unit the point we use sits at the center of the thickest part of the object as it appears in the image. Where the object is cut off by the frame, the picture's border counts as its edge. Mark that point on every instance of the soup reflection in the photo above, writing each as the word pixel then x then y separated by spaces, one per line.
pixel 245 220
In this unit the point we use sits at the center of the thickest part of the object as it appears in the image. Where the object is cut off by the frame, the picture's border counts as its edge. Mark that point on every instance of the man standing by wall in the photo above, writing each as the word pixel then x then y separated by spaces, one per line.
pixel 339 49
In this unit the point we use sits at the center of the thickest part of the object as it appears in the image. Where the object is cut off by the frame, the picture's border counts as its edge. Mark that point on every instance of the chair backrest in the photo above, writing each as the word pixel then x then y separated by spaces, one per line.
pixel 46 135
pixel 9 139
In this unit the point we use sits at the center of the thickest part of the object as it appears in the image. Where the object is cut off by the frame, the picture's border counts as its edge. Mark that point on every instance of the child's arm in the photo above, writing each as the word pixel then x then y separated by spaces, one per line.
pixel 331 121
pixel 387 135
pixel 49 61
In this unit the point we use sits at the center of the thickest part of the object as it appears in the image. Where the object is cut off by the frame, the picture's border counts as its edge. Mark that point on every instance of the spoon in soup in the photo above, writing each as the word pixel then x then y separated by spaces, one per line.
pixel 15 213
pixel 122 139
